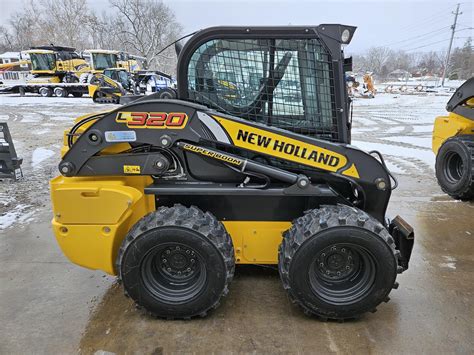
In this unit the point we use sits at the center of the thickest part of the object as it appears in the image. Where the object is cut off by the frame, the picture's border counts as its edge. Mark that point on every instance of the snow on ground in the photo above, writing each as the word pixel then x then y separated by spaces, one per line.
pixel 400 127
pixel 388 150
pixel 19 214
pixel 39 155
pixel 33 100
pixel 424 142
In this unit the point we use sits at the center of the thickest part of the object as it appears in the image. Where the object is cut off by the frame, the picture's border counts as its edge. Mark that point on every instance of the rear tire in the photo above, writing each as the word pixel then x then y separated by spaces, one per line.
pixel 177 262
pixel 77 94
pixel 167 93
pixel 337 262
pixel 60 92
pixel 45 92
pixel 455 167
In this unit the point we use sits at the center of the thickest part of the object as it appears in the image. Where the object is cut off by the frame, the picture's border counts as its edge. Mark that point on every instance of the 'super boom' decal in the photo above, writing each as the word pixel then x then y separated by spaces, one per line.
pixel 216 155
pixel 153 120
pixel 283 147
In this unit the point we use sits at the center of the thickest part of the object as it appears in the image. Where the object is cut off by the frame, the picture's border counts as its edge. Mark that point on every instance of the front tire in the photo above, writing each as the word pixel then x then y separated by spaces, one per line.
pixel 455 167
pixel 177 262
pixel 337 262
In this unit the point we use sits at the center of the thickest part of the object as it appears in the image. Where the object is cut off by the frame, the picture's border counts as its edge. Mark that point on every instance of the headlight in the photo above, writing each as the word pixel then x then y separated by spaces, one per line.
pixel 345 35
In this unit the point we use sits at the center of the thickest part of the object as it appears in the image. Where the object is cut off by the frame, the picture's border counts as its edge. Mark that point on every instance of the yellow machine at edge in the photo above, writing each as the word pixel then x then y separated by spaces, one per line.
pixel 453 144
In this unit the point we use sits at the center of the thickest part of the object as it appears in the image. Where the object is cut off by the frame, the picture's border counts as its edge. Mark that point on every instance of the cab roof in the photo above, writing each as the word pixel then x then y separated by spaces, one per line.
pixel 55 48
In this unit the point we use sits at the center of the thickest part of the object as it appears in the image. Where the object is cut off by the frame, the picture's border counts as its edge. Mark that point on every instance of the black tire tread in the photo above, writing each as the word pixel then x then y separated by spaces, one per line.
pixel 193 218
pixel 313 222
pixel 467 193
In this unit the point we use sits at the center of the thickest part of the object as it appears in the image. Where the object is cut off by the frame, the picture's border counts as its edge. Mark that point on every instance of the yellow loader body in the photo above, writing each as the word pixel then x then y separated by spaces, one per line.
pixel 91 230
pixel 449 126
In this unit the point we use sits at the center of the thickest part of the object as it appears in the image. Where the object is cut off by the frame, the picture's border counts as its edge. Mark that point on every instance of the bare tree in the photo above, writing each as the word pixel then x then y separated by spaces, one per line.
pixel 461 65
pixel 102 31
pixel 62 22
pixel 377 59
pixel 24 26
pixel 431 63
pixel 6 40
pixel 146 27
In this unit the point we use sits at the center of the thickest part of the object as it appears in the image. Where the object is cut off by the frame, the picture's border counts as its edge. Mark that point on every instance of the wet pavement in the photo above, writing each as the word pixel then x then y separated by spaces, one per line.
pixel 50 306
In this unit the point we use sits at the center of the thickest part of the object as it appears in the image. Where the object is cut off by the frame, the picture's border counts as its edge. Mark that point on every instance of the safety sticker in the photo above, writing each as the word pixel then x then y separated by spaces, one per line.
pixel 131 169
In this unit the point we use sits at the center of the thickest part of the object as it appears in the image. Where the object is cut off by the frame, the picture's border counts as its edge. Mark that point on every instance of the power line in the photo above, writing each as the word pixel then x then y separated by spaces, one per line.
pixel 426 39
pixel 428 19
pixel 464 29
pixel 419 36
pixel 427 45
pixel 432 43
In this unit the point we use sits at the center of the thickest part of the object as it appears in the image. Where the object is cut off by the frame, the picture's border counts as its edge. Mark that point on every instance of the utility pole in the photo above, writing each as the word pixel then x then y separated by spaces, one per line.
pixel 453 28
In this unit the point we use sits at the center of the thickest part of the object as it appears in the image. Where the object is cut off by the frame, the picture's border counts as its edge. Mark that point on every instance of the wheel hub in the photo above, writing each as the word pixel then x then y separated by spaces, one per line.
pixel 178 261
pixel 335 262
pixel 454 168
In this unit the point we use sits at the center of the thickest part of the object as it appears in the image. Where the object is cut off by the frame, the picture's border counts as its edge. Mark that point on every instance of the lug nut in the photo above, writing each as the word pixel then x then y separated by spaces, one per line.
pixel 168 269
pixel 164 260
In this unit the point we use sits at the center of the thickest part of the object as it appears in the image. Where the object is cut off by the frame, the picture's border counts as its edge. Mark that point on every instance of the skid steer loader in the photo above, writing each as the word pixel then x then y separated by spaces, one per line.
pixel 171 194
pixel 453 144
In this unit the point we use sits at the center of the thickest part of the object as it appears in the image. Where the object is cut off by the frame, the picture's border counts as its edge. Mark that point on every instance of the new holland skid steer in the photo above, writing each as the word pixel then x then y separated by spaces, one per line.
pixel 453 144
pixel 171 194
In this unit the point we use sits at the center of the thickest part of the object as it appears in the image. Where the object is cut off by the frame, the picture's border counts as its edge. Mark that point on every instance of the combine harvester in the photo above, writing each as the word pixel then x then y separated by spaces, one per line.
pixel 55 70
pixel 60 71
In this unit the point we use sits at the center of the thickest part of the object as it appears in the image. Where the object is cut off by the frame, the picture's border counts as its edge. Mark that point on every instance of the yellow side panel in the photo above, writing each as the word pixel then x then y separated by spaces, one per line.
pixel 256 242
pixel 449 126
pixel 93 215
pixel 93 204
pixel 92 246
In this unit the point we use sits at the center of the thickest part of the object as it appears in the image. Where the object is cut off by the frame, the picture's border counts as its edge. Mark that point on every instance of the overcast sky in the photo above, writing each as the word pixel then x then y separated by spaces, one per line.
pixel 404 24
